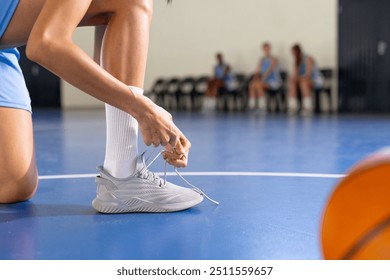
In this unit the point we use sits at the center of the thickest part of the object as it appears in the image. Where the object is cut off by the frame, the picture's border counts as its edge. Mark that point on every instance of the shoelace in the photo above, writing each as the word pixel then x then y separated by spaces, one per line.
pixel 155 177
pixel 149 175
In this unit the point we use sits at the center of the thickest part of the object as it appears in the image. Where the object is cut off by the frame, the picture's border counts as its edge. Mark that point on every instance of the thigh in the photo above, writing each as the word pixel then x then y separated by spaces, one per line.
pixel 18 172
pixel 16 140
pixel 306 83
pixel 255 83
pixel 27 12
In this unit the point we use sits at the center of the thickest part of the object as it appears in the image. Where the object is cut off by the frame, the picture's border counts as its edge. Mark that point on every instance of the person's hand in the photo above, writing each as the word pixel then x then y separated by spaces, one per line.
pixel 157 128
pixel 176 157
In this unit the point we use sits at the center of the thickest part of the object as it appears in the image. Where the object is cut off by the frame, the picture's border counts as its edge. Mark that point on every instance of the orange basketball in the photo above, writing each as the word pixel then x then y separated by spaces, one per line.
pixel 356 221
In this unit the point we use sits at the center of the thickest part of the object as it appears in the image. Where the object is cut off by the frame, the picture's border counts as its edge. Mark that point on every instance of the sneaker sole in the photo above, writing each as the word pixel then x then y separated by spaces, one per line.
pixel 136 205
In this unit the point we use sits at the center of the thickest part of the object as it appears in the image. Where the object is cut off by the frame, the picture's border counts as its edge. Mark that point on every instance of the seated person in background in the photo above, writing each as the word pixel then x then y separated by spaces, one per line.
pixel 215 84
pixel 267 76
pixel 306 77
pixel 228 79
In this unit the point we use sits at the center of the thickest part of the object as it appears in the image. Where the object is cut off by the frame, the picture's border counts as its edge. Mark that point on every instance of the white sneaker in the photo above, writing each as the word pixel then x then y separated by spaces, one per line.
pixel 144 191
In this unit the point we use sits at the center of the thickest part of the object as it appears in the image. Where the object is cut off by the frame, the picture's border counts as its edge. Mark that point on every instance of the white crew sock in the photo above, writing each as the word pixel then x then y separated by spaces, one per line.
pixel 252 103
pixel 262 103
pixel 209 103
pixel 121 141
pixel 292 105
pixel 307 104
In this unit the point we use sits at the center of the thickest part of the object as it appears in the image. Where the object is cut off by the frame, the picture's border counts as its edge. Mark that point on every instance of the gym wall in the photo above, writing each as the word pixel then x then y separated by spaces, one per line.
pixel 186 35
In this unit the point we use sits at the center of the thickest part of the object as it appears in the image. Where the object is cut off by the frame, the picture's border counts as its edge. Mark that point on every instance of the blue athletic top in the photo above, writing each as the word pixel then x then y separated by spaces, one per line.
pixel 274 77
pixel 316 75
pixel 13 90
pixel 219 70
pixel 229 80
pixel 7 10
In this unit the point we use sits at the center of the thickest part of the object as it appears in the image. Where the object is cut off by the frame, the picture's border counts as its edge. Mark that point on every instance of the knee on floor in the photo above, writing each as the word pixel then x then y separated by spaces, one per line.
pixel 22 189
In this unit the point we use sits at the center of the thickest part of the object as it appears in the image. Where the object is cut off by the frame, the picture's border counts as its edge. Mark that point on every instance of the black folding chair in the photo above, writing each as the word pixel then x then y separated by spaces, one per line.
pixel 326 88
pixel 187 94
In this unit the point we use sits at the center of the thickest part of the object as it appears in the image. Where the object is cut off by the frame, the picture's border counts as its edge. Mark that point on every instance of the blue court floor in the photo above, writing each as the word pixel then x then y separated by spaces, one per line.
pixel 272 176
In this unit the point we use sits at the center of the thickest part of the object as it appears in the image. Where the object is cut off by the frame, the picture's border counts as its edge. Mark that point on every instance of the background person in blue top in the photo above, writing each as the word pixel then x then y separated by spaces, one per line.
pixel 267 76
pixel 306 77
pixel 116 77
pixel 221 77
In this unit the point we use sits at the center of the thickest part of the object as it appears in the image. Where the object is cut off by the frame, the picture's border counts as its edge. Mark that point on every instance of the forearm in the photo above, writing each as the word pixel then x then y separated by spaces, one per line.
pixel 266 75
pixel 270 69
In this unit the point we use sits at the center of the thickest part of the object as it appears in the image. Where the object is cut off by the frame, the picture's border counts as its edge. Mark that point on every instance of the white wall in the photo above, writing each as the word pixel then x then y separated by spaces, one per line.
pixel 72 97
pixel 186 35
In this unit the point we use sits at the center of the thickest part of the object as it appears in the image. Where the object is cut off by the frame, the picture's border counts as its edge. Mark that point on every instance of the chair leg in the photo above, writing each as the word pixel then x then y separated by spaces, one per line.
pixel 317 97
pixel 329 93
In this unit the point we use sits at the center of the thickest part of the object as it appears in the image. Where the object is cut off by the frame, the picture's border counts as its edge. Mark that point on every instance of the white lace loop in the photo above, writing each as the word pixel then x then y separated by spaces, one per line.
pixel 149 175
pixel 155 177
pixel 145 173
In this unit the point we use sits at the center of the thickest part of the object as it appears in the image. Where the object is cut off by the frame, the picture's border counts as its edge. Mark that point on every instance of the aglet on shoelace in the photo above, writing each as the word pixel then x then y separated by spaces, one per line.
pixel 198 190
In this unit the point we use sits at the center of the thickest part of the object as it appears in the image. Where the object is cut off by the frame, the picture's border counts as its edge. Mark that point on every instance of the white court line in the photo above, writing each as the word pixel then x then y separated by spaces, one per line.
pixel 245 174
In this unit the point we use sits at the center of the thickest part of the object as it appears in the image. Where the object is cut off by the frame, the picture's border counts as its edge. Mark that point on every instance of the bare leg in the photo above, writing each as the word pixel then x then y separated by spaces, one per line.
pixel 126 43
pixel 254 89
pixel 261 98
pixel 212 88
pixel 210 97
pixel 305 85
pixel 292 95
pixel 18 172
pixel 124 52
pixel 292 87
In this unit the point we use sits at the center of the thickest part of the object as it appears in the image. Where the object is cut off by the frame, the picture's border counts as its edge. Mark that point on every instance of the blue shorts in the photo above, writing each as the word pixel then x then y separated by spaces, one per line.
pixel 273 84
pixel 13 90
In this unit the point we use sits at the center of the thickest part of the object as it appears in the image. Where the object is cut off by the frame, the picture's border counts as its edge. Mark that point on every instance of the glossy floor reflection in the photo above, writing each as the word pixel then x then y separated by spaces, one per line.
pixel 260 217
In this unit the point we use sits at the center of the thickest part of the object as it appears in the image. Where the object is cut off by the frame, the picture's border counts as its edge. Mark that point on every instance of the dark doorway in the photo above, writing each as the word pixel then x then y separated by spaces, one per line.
pixel 44 87
pixel 364 55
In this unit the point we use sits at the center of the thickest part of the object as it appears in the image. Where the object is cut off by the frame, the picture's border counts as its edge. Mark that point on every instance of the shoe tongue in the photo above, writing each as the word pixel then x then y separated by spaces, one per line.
pixel 141 168
pixel 140 163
